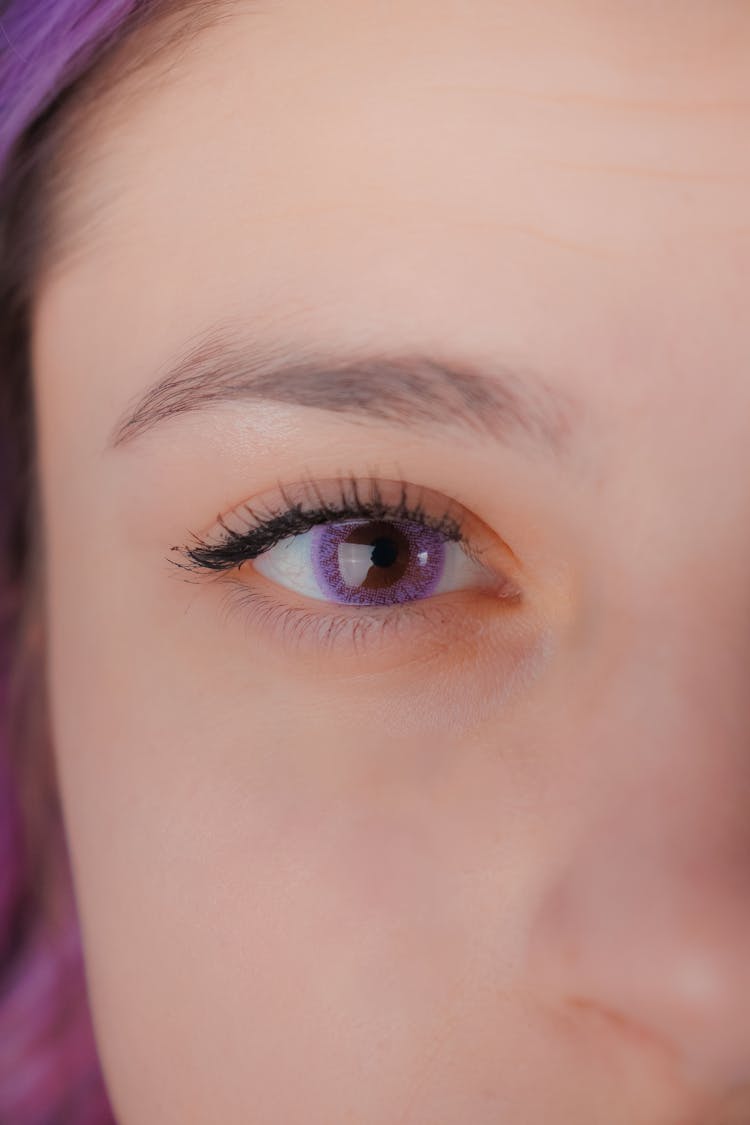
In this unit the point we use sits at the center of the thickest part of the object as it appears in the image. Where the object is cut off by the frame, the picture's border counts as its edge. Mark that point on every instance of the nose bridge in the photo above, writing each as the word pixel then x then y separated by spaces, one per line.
pixel 647 914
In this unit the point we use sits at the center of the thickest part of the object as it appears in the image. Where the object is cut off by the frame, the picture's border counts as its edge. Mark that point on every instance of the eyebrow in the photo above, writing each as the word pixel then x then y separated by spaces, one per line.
pixel 406 389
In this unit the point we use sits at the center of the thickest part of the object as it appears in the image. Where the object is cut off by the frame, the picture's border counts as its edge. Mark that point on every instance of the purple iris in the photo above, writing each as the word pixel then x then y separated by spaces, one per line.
pixel 377 562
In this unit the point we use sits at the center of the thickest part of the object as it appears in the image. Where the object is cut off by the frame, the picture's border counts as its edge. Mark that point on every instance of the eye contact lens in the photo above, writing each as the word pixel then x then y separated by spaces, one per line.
pixel 372 562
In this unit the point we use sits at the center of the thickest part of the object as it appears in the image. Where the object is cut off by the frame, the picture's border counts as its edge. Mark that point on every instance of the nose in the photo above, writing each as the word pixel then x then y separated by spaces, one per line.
pixel 644 916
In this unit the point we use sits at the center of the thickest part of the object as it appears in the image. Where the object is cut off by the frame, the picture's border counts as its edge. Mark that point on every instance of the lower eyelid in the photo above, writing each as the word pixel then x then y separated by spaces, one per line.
pixel 387 635
pixel 317 625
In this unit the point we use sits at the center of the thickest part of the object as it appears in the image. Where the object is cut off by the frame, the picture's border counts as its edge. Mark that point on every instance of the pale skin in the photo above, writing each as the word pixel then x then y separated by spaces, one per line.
pixel 492 865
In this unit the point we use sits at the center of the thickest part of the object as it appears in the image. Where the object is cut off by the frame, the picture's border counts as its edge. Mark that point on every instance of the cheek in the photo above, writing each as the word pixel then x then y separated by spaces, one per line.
pixel 262 880
pixel 243 917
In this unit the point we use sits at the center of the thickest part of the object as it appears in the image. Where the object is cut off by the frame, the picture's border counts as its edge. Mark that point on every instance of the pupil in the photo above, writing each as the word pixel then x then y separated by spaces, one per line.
pixel 384 552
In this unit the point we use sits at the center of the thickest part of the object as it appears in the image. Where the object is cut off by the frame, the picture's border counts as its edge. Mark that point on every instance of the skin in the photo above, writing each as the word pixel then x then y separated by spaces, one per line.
pixel 491 866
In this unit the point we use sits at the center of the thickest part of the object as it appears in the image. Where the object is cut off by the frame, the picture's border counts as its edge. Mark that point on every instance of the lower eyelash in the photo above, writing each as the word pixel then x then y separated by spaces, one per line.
pixel 298 625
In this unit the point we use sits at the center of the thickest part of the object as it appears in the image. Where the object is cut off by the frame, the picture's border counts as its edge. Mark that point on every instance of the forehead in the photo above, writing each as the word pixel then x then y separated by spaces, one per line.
pixel 562 183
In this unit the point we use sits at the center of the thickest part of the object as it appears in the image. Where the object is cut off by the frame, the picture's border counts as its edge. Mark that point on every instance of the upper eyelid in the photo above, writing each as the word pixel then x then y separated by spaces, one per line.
pixel 219 555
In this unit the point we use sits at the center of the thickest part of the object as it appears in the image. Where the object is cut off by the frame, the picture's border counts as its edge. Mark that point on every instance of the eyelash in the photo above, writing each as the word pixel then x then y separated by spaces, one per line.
pixel 268 530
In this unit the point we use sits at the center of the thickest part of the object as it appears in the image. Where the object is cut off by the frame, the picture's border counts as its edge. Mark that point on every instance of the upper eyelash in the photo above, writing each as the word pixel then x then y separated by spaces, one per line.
pixel 295 519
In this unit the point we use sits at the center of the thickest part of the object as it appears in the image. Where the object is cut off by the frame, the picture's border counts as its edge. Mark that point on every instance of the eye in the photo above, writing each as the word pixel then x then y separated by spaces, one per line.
pixel 360 565
pixel 359 544
pixel 371 562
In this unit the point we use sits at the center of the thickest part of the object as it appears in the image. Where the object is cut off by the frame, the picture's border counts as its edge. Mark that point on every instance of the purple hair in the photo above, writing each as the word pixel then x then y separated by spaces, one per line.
pixel 49 1071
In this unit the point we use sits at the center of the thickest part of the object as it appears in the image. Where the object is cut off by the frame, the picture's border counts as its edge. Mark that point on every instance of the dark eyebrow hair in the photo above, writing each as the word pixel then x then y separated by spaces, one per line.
pixel 406 389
